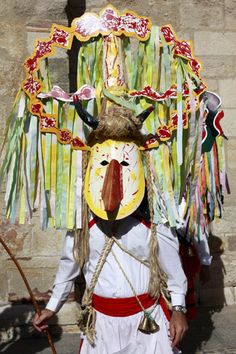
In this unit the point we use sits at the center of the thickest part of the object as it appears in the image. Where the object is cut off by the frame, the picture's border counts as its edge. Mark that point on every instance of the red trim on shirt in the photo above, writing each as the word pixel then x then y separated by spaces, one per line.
pixel 92 222
pixel 80 346
pixel 142 220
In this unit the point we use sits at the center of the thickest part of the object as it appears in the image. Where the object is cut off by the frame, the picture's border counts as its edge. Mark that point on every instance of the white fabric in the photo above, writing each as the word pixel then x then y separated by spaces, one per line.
pixel 134 236
pixel 117 335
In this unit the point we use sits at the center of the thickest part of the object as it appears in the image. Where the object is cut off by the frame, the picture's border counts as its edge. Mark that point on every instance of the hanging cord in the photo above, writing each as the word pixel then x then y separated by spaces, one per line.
pixel 86 321
pixel 163 285
pixel 81 240
pixel 157 276
pixel 147 313
pixel 124 249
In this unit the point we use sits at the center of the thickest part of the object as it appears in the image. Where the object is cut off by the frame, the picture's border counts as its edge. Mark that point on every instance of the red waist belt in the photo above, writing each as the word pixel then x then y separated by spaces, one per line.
pixel 126 306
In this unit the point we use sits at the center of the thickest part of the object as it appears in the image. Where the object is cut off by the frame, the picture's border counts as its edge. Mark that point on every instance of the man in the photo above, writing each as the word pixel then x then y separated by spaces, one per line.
pixel 129 258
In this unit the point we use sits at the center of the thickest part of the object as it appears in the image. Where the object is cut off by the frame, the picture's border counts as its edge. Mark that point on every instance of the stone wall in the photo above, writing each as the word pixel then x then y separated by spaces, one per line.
pixel 211 26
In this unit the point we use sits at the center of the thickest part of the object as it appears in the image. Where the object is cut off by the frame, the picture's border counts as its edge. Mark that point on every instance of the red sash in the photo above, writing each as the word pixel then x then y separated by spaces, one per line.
pixel 124 307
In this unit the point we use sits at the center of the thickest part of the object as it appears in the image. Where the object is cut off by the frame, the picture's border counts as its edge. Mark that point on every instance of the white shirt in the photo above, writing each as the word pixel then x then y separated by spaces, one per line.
pixel 135 237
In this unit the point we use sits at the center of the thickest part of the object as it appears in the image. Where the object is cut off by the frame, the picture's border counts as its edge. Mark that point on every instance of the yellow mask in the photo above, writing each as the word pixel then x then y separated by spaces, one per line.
pixel 114 181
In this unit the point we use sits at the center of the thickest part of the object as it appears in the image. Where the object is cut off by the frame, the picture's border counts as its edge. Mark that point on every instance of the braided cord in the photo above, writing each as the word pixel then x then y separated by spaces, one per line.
pixel 87 299
pixel 131 286
pixel 157 276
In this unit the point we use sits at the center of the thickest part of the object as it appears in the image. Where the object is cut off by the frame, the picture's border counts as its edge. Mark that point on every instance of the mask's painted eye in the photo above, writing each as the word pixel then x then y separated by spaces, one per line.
pixel 124 163
pixel 104 163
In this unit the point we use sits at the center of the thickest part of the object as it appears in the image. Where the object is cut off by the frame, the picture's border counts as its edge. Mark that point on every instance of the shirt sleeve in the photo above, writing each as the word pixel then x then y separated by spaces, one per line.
pixel 67 271
pixel 171 264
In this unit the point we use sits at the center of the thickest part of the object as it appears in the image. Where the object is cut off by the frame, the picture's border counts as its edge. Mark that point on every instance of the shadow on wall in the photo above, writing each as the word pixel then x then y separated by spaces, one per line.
pixel 74 8
pixel 17 336
pixel 210 298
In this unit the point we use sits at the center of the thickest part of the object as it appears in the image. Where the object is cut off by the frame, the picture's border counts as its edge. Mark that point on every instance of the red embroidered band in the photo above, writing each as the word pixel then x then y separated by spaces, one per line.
pixel 124 307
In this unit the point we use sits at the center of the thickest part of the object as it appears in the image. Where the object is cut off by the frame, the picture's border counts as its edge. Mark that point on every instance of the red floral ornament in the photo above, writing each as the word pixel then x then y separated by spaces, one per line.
pixel 151 143
pixel 183 49
pixel 60 36
pixel 154 95
pixel 163 133
pixel 77 143
pixel 43 48
pixel 47 122
pixel 31 64
pixel 195 66
pixel 31 86
pixel 128 22
pixel 174 120
pixel 110 20
pixel 64 135
pixel 168 34
pixel 36 108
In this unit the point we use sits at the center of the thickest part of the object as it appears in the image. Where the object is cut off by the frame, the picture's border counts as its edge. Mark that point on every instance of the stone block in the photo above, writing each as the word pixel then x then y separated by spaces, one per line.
pixel 17 238
pixel 20 10
pixel 222 272
pixel 229 264
pixel 161 12
pixel 214 43
pixel 212 84
pixel 12 40
pixel 202 14
pixel 33 9
pixel 3 282
pixel 231 243
pixel 230 156
pixel 228 123
pixel 218 67
pixel 59 72
pixel 184 35
pixel 39 278
pixel 53 10
pixel 226 225
pixel 230 298
pixel 46 243
pixel 230 15
pixel 227 89
pixel 36 263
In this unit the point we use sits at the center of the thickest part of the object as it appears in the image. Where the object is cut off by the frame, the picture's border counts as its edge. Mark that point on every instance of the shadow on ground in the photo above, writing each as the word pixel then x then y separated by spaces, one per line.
pixel 18 336
pixel 209 291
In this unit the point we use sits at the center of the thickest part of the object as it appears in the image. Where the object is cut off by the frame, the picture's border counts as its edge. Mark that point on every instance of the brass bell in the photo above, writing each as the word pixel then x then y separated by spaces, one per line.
pixel 148 325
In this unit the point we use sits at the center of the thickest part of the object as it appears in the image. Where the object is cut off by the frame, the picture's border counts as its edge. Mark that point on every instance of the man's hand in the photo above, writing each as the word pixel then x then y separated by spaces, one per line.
pixel 40 322
pixel 178 327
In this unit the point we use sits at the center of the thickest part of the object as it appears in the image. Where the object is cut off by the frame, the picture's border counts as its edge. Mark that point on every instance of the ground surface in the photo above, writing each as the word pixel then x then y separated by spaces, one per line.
pixel 212 332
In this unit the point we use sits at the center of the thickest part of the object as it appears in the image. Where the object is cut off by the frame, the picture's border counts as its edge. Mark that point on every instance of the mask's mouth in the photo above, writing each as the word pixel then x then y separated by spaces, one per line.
pixel 112 191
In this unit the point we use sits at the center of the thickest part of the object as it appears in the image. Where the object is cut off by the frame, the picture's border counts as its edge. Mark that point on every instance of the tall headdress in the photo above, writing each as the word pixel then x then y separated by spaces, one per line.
pixel 46 136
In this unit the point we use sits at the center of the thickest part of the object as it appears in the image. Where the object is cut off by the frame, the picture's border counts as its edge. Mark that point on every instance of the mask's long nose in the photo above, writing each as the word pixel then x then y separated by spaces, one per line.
pixel 112 191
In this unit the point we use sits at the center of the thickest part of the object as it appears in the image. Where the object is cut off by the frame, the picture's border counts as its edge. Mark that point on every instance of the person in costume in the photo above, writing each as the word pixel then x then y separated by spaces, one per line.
pixel 144 179
pixel 129 260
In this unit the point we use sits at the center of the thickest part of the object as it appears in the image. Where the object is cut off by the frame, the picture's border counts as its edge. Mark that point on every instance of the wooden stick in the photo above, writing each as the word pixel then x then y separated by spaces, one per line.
pixel 35 304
